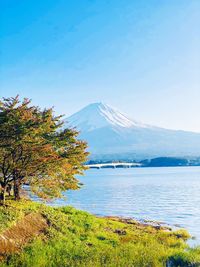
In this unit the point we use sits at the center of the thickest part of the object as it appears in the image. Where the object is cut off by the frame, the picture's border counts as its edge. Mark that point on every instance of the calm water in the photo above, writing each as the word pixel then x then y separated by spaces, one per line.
pixel 170 195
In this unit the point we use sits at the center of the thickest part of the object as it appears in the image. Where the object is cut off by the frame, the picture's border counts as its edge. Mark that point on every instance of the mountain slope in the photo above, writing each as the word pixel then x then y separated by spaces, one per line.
pixel 110 132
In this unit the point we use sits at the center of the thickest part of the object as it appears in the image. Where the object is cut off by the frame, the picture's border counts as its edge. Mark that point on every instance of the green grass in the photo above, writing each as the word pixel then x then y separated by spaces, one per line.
pixel 76 238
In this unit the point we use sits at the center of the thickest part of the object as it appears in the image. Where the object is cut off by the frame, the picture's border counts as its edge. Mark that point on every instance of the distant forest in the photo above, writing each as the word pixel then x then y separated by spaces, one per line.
pixel 156 162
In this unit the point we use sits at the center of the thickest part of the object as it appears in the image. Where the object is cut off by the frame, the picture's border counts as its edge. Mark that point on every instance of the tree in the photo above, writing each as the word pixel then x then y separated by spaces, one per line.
pixel 35 149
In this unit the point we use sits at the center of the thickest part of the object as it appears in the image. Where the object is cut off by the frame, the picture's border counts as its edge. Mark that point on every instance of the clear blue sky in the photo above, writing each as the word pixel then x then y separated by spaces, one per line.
pixel 141 56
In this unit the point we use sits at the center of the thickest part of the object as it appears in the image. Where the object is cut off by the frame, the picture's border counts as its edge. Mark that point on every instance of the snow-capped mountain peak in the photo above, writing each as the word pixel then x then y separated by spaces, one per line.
pixel 99 115
pixel 110 132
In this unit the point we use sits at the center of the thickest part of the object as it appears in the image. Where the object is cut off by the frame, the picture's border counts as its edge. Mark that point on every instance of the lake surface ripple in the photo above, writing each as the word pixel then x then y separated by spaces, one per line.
pixel 170 195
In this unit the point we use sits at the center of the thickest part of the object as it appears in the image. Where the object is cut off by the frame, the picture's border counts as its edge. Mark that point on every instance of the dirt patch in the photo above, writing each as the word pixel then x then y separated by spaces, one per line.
pixel 14 238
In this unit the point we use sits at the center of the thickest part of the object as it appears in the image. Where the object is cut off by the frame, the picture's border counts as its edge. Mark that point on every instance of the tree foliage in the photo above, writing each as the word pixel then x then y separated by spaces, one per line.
pixel 35 149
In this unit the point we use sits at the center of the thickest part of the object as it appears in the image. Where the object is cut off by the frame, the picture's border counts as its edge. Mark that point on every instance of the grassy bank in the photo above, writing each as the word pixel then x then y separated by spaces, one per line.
pixel 36 235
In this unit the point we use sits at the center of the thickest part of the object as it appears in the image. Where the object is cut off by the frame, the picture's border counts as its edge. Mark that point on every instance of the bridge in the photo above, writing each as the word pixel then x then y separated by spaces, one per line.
pixel 113 165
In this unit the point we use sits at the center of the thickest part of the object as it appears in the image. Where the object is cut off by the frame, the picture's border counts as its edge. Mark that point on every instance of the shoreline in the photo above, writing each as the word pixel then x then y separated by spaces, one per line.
pixel 140 222
pixel 31 232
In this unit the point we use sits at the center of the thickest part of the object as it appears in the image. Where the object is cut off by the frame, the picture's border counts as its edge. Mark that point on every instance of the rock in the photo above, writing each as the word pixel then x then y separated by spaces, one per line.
pixel 120 232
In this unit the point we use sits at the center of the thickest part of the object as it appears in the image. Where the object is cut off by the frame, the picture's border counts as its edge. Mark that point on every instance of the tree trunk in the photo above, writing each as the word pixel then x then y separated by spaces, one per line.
pixel 8 189
pixel 16 190
pixel 3 195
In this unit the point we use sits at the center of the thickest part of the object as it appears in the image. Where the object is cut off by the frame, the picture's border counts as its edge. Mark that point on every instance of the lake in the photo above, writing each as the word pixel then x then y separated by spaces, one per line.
pixel 170 195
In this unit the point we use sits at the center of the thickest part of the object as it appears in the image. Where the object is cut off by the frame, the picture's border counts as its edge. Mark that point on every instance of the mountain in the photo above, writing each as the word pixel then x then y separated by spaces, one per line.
pixel 112 134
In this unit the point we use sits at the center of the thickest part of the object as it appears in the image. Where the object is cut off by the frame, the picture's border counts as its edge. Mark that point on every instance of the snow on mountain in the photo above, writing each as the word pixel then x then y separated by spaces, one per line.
pixel 98 115
pixel 110 132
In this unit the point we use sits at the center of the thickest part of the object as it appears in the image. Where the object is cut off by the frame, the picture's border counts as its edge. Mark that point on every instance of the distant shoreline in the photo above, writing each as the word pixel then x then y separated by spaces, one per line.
pixel 121 166
pixel 154 162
